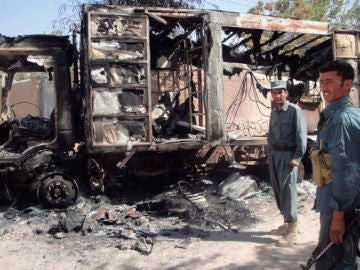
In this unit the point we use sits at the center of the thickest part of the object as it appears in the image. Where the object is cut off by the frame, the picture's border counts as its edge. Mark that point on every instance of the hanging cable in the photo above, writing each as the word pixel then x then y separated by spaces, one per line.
pixel 244 92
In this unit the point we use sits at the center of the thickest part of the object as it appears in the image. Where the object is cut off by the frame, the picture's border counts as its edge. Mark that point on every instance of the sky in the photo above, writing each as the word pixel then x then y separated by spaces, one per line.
pixel 24 17
pixel 241 6
pixel 21 17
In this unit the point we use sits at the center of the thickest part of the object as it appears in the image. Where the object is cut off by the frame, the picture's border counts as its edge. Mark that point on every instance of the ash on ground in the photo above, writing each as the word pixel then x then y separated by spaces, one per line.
pixel 139 214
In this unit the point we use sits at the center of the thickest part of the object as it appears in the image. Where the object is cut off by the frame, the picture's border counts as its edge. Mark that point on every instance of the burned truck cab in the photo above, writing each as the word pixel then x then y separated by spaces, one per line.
pixel 36 126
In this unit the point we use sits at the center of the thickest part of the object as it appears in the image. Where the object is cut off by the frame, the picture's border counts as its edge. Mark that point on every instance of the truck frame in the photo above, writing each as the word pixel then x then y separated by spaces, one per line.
pixel 152 90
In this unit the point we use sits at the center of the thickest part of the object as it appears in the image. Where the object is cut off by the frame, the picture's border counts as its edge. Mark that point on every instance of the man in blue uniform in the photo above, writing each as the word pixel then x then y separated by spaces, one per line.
pixel 339 137
pixel 286 147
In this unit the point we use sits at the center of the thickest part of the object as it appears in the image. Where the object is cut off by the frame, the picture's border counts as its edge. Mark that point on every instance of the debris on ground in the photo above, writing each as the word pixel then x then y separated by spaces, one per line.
pixel 186 212
pixel 237 187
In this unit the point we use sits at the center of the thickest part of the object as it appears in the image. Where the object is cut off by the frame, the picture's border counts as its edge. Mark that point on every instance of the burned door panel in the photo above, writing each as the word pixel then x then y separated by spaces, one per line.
pixel 114 49
pixel 132 101
pixel 119 101
pixel 117 26
pixel 108 131
pixel 118 74
pixel 127 74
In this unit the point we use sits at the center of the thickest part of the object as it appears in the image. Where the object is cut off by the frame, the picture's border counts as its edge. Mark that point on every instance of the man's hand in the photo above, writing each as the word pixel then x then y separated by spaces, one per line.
pixel 337 227
pixel 294 163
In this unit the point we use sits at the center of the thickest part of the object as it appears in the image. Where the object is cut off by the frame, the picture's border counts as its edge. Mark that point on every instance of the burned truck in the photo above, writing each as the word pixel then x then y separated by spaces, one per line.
pixel 149 91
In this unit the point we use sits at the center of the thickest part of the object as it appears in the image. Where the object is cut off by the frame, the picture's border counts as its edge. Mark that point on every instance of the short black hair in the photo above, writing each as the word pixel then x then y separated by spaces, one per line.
pixel 343 69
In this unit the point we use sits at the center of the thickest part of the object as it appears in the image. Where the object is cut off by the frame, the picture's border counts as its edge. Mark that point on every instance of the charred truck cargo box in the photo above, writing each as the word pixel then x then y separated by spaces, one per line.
pixel 156 90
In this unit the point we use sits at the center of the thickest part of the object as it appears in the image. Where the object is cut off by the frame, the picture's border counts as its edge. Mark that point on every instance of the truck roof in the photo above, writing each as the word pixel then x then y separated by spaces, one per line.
pixel 14 51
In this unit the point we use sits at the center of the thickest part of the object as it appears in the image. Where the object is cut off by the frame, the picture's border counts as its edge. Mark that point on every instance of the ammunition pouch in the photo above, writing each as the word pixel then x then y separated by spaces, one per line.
pixel 321 167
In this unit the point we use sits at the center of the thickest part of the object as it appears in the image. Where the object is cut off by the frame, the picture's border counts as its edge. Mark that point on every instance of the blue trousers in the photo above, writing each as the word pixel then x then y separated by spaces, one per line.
pixel 283 179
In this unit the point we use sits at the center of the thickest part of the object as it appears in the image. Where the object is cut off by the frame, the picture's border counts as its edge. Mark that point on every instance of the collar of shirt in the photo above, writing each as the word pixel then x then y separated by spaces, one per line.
pixel 285 107
pixel 330 109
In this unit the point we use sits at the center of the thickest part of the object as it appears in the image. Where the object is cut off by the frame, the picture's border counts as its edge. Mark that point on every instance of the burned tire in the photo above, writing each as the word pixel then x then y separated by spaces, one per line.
pixel 57 190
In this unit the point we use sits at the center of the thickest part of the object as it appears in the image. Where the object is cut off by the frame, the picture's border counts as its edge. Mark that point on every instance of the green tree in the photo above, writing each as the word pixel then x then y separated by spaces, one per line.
pixel 353 14
pixel 334 11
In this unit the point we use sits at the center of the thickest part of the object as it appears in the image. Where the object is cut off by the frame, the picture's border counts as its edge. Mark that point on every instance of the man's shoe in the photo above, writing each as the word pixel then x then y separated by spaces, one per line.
pixel 290 238
pixel 282 230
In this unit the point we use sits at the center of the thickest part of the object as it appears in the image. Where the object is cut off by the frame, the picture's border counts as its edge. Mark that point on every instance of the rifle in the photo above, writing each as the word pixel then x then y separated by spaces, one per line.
pixel 324 245
pixel 317 254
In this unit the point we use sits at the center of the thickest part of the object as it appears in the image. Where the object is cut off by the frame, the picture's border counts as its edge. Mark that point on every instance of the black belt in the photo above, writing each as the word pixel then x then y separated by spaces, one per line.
pixel 283 147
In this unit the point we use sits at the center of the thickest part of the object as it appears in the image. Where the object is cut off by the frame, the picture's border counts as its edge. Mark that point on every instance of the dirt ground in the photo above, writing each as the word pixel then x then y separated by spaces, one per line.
pixel 162 231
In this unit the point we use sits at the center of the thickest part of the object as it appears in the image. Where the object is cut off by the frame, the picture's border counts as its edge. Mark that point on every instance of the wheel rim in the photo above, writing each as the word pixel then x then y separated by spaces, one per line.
pixel 57 190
